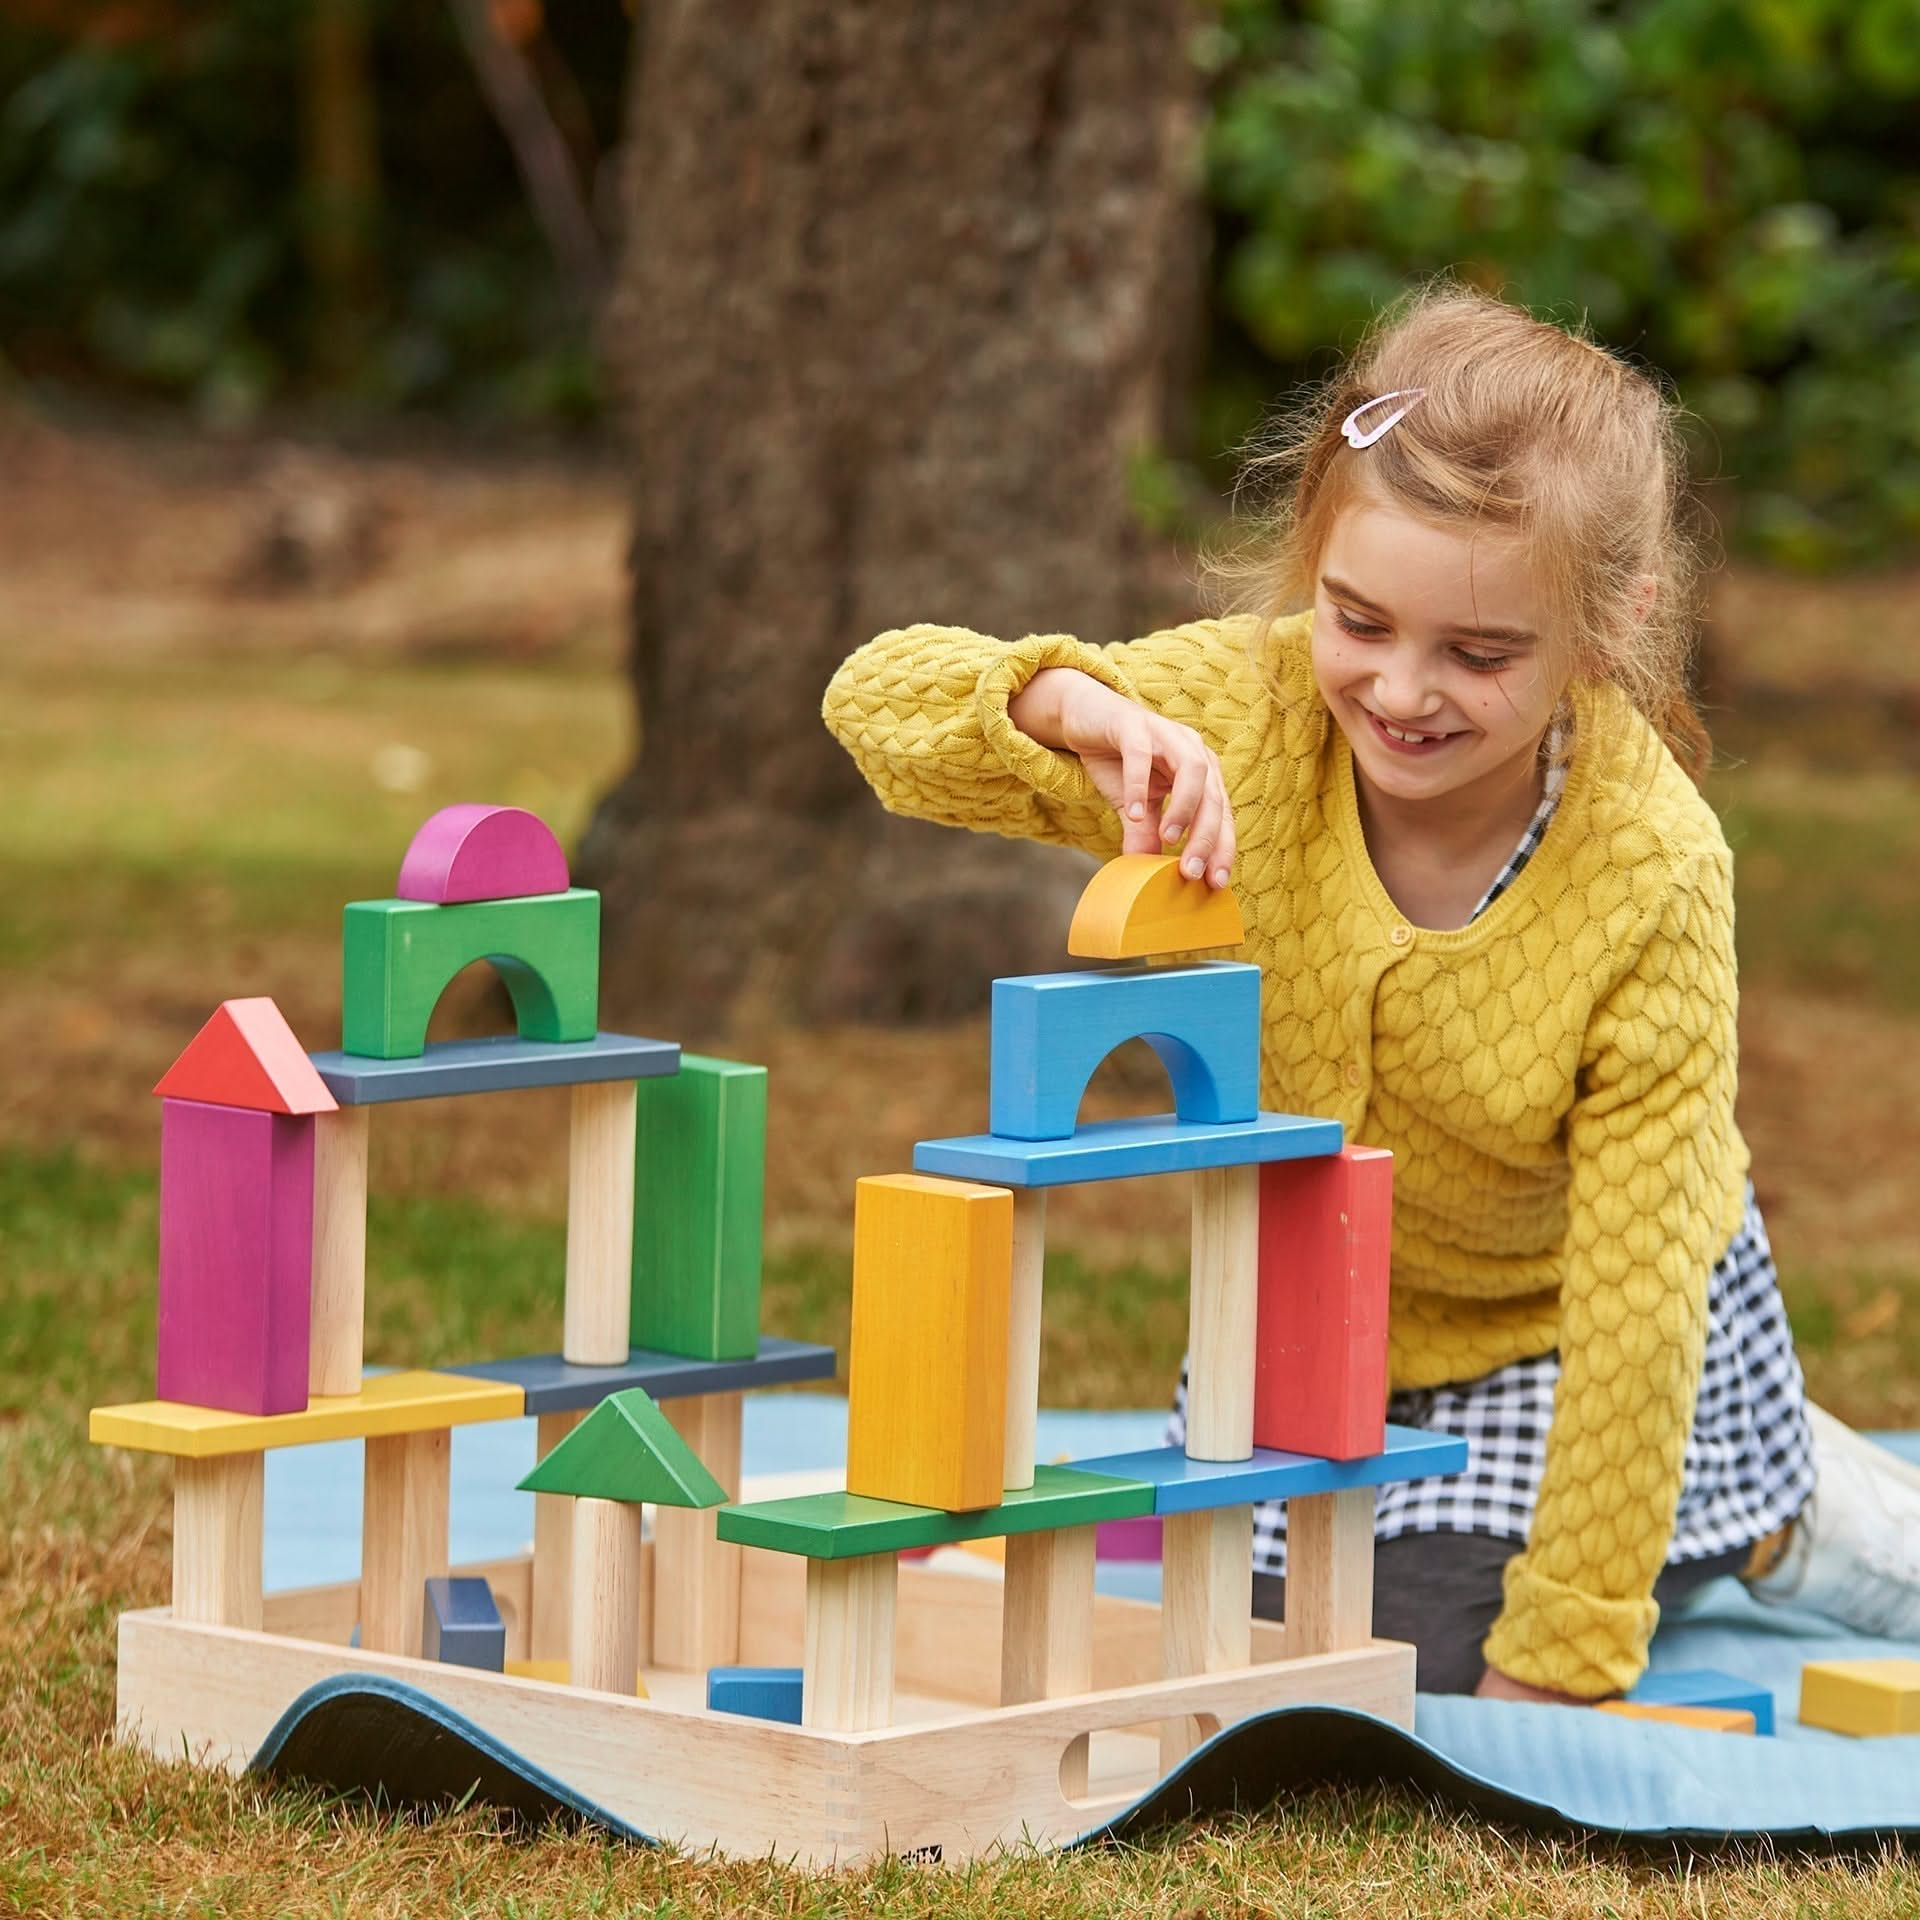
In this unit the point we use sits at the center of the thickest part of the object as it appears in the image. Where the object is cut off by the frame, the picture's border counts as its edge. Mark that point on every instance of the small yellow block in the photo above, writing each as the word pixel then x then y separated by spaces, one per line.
pixel 1861 1696
pixel 1139 904
pixel 559 1673
pixel 389 1403
pixel 927 1379
pixel 1705 1719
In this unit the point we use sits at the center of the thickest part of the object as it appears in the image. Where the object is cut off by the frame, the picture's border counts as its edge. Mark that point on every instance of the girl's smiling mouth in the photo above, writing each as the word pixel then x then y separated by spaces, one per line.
pixel 1405 739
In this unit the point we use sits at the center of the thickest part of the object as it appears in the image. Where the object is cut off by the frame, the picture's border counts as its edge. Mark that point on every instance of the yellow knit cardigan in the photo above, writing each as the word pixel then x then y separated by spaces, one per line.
pixel 1555 1080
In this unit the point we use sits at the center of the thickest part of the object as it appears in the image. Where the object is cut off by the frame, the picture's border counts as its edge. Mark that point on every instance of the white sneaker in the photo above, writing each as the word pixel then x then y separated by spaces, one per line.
pixel 1854 1552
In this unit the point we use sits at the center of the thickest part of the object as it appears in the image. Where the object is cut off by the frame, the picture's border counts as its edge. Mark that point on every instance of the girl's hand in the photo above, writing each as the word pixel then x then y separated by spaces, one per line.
pixel 1495 1685
pixel 1162 779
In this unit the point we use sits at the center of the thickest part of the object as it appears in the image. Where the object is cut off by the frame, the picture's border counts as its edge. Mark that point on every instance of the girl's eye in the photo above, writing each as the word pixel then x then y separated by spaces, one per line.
pixel 1482 662
pixel 1359 628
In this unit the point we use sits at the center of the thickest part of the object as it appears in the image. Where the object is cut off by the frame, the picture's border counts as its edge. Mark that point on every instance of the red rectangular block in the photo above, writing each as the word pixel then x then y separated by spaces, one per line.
pixel 236 1257
pixel 1320 1365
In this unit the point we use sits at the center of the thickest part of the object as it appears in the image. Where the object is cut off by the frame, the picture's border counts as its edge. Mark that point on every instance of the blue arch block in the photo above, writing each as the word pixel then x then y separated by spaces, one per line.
pixel 1050 1030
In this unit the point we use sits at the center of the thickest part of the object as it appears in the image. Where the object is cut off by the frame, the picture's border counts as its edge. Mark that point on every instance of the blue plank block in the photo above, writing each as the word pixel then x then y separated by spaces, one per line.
pixel 1122 1149
pixel 502 1063
pixel 762 1693
pixel 1050 1030
pixel 1706 1687
pixel 554 1386
pixel 463 1625
pixel 1182 1485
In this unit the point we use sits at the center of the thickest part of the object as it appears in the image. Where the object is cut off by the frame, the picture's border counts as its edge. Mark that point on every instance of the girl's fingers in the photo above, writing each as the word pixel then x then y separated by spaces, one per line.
pixel 1189 766
pixel 1139 808
pixel 1220 862
pixel 1197 858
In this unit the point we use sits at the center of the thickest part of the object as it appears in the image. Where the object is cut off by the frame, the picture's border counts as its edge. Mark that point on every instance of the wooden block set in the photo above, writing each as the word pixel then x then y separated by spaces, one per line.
pixel 769 1675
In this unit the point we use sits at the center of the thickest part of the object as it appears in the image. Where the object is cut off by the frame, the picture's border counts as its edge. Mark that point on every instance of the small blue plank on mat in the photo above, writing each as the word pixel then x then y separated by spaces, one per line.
pixel 1126 1149
pixel 1706 1687
pixel 555 1386
pixel 503 1063
pixel 1183 1485
pixel 762 1693
pixel 463 1625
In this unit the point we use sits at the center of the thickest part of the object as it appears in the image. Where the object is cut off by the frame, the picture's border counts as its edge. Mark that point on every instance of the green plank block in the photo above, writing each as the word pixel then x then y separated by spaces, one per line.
pixel 626 1449
pixel 398 955
pixel 699 1191
pixel 842 1526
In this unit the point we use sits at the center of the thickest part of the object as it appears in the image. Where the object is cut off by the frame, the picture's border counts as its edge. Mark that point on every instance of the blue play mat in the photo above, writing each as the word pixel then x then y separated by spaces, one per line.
pixel 1546 1768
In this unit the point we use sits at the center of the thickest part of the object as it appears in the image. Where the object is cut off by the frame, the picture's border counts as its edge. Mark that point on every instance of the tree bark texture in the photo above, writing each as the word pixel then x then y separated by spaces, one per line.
pixel 901 286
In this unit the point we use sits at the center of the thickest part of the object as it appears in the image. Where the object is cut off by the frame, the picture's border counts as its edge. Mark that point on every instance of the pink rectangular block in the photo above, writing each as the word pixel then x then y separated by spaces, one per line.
pixel 236 1257
pixel 1320 1360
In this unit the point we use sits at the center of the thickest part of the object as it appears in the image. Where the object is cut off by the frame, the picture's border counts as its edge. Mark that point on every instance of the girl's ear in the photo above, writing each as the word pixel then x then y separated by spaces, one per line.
pixel 1646 592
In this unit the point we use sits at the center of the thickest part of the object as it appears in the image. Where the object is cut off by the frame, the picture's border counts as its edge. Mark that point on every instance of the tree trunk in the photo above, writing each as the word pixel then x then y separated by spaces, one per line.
pixel 900 290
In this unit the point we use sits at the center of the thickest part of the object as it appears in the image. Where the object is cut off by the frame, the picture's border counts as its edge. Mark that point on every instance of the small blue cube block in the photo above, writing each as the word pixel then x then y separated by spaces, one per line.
pixel 762 1693
pixel 1704 1687
pixel 463 1626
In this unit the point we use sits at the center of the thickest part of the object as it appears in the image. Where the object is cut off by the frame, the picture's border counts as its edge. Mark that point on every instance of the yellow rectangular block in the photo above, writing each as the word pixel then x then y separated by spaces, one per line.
pixel 391 1403
pixel 927 1385
pixel 1861 1696
pixel 559 1673
pixel 1703 1719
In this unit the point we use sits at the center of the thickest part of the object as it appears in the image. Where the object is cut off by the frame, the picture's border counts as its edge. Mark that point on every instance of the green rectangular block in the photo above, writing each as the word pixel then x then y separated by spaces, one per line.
pixel 842 1526
pixel 397 957
pixel 699 1195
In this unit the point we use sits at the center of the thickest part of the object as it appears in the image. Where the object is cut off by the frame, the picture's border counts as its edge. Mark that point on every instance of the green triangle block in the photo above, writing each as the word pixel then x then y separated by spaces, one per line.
pixel 627 1449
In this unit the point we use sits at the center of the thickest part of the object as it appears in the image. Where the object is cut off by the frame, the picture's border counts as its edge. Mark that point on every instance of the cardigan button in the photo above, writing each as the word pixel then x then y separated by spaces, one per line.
pixel 1400 936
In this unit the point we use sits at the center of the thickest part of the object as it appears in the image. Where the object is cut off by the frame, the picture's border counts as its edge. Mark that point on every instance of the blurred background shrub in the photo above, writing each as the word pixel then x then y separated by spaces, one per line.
pixel 268 202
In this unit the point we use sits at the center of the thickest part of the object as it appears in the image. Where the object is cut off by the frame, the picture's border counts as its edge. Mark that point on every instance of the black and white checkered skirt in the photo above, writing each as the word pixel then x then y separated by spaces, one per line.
pixel 1749 1459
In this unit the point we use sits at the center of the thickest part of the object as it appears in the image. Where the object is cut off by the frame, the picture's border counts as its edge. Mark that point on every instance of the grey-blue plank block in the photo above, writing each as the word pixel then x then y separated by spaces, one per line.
pixel 764 1693
pixel 463 1625
pixel 1123 1149
pixel 501 1063
pixel 1181 1485
pixel 553 1385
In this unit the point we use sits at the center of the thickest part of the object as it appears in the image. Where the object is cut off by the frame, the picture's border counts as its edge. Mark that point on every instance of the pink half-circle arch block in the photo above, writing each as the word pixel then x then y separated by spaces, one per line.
pixel 474 851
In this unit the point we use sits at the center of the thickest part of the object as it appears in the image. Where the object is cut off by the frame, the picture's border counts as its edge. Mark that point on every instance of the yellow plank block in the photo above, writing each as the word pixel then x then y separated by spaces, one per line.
pixel 927 1378
pixel 1861 1696
pixel 1704 1719
pixel 389 1403
pixel 559 1673
pixel 1140 904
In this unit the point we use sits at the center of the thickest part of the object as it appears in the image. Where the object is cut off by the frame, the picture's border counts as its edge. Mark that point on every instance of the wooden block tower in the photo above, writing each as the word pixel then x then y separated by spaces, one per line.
pixel 936 1712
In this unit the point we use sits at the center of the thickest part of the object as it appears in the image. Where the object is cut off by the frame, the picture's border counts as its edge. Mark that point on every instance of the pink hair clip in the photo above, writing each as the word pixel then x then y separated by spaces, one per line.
pixel 1350 429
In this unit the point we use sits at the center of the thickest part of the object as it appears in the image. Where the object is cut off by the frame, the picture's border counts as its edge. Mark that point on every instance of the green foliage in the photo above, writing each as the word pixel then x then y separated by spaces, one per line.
pixel 158 221
pixel 1728 189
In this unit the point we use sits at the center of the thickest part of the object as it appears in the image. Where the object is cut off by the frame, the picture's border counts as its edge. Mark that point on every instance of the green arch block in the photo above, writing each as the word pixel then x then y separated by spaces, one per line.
pixel 398 955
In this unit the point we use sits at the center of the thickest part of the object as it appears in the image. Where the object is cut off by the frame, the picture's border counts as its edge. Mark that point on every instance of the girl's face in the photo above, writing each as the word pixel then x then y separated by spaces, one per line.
pixel 1430 651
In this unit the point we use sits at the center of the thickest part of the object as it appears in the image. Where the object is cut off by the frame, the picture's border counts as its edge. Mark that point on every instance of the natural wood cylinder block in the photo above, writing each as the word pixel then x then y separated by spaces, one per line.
pixel 1206 1606
pixel 1223 1310
pixel 847 1671
pixel 403 1536
pixel 550 1611
pixel 1330 1571
pixel 334 1355
pixel 599 1303
pixel 1023 1333
pixel 1046 1631
pixel 604 1633
pixel 217 1510
pixel 696 1575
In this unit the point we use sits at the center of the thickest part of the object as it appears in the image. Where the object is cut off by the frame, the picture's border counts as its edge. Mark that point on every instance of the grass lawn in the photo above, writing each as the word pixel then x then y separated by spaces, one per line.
pixel 195 783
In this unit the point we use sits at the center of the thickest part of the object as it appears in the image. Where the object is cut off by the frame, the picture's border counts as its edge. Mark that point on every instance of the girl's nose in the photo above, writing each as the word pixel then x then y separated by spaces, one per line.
pixel 1403 689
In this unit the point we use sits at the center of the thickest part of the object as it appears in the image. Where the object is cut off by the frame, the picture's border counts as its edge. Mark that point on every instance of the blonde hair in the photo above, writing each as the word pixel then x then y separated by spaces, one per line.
pixel 1525 427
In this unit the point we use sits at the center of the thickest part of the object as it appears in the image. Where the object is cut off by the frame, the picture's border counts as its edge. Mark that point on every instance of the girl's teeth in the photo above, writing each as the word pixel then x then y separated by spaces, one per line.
pixel 1416 739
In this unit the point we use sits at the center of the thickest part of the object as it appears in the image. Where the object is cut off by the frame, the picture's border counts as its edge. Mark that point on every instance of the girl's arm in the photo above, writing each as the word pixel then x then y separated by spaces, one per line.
pixel 1051 739
pixel 1657 1172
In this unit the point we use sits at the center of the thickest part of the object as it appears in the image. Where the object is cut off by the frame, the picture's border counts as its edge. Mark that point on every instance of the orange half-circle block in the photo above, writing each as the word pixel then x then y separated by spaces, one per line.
pixel 247 1056
pixel 1141 904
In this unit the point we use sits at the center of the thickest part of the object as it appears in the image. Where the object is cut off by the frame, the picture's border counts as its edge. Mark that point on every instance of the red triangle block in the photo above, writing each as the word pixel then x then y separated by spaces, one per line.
pixel 247 1056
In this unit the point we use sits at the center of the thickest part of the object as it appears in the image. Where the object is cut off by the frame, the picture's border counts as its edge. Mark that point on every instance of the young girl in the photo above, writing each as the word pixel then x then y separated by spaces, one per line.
pixel 1494 919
